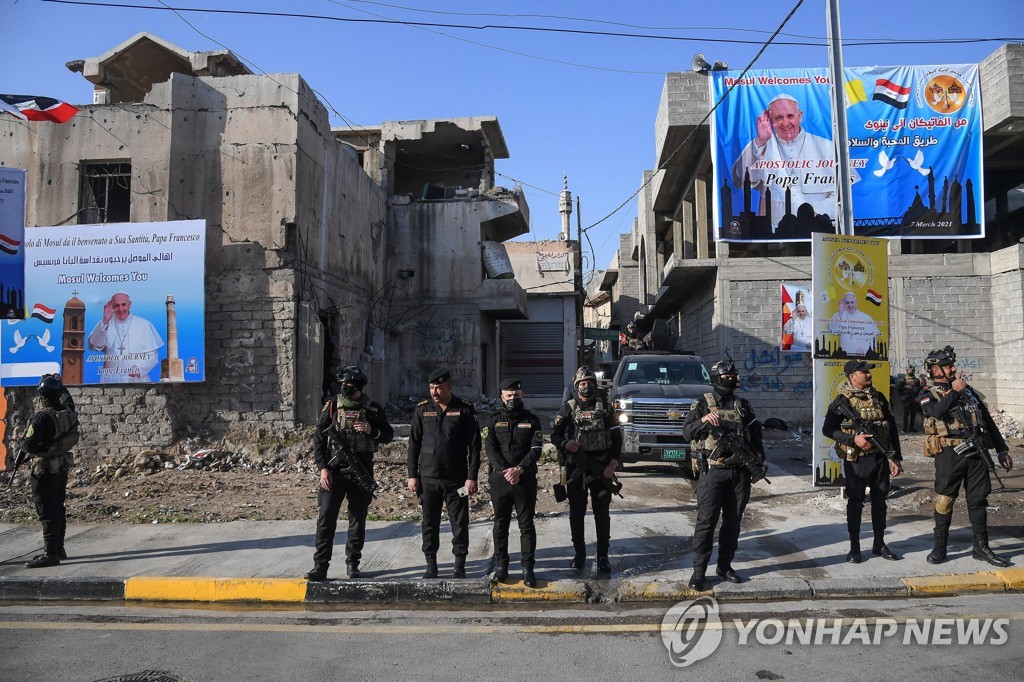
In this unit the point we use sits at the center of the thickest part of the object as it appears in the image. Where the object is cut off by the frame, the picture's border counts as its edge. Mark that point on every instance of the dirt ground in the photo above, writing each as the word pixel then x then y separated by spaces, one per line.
pixel 280 483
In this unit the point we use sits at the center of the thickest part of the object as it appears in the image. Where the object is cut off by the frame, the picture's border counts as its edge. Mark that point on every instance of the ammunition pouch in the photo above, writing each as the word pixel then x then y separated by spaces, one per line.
pixel 52 465
pixel 934 444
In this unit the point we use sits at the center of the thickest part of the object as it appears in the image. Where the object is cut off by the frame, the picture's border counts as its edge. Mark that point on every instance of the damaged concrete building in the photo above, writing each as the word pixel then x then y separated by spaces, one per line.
pixel 324 247
pixel 724 298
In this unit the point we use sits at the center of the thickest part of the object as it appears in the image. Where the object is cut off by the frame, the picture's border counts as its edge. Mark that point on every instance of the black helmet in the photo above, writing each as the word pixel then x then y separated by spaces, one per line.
pixel 50 388
pixel 353 375
pixel 943 358
pixel 721 368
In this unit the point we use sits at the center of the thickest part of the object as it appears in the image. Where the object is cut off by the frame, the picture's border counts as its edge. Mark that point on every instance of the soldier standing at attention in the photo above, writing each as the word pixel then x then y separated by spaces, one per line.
pixel 513 440
pixel 443 463
pixel 861 423
pixel 956 421
pixel 353 422
pixel 909 387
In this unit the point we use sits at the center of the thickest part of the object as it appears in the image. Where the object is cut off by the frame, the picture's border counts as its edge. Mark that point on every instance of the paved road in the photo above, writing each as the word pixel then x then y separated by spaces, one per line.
pixel 85 643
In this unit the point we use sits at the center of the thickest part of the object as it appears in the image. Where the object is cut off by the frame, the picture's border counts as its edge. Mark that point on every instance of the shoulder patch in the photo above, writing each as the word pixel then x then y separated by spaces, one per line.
pixel 483 434
pixel 559 419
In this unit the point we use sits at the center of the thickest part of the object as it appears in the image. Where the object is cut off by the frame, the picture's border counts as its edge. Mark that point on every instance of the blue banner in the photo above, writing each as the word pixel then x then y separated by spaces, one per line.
pixel 110 304
pixel 915 141
pixel 915 136
pixel 12 238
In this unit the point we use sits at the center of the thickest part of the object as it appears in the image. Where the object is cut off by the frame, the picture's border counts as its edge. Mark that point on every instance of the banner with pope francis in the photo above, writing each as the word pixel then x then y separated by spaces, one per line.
pixel 119 303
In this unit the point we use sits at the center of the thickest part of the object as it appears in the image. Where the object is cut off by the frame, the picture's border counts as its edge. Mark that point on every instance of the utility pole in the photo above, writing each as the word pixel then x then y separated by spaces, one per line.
pixel 578 281
pixel 839 130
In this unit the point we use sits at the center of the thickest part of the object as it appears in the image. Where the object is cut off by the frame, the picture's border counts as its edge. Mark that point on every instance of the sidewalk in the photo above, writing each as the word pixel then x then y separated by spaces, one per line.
pixel 780 557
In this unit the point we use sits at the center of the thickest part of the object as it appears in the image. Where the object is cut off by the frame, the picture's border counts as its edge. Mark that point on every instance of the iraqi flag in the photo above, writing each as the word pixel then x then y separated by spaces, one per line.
pixel 34 108
pixel 873 296
pixel 9 245
pixel 891 93
pixel 41 312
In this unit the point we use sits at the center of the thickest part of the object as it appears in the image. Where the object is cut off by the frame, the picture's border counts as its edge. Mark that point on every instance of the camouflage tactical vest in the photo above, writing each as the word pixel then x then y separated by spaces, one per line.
pixel 591 432
pixel 58 456
pixel 949 430
pixel 730 420
pixel 868 406
pixel 344 421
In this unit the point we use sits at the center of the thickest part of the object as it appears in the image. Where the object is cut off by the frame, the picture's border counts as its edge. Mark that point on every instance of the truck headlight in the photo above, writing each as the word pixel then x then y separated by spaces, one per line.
pixel 623 418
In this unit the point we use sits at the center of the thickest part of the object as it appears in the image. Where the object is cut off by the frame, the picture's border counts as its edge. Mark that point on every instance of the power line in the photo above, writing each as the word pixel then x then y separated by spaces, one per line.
pixel 704 120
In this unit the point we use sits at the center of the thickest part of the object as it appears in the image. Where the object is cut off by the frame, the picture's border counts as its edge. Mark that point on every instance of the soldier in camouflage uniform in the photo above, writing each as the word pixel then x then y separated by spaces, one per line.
pixel 953 412
pixel 589 444
pixel 870 448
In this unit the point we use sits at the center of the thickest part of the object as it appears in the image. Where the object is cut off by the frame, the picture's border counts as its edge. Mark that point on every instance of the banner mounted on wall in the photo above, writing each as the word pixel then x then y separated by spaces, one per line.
pixel 12 238
pixel 120 303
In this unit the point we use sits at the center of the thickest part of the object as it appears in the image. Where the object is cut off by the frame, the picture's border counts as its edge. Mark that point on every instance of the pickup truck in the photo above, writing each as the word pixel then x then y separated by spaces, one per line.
pixel 652 393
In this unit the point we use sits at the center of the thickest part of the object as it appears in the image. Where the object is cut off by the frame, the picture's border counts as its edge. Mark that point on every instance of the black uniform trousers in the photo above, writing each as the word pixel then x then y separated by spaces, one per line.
pixel 872 471
pixel 952 471
pixel 48 494
pixel 910 411
pixel 523 498
pixel 600 503
pixel 342 486
pixel 435 492
pixel 721 491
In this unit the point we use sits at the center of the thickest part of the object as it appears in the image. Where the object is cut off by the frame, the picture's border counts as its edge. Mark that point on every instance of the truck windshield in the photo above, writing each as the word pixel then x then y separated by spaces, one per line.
pixel 658 371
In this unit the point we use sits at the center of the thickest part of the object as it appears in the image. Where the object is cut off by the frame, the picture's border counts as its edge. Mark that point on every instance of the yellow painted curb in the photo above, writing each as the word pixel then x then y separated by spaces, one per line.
pixel 1014 577
pixel 546 591
pixel 215 589
pixel 658 590
pixel 955 584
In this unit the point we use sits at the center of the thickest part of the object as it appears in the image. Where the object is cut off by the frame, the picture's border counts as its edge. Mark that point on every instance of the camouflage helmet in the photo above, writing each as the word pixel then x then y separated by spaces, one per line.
pixel 583 374
pixel 941 358
pixel 631 327
pixel 910 369
pixel 353 375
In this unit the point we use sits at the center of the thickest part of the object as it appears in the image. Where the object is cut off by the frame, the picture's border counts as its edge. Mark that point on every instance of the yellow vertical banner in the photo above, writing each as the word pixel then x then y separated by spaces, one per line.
pixel 851 321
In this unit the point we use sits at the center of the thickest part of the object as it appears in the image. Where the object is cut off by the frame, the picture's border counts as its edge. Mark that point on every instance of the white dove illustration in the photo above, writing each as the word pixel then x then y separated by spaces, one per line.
pixel 44 341
pixel 917 162
pixel 19 341
pixel 885 162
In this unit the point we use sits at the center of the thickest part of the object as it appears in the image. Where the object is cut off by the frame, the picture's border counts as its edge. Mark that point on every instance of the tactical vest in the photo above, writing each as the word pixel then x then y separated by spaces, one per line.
pixel 867 405
pixel 949 430
pixel 591 432
pixel 345 419
pixel 730 420
pixel 912 386
pixel 66 435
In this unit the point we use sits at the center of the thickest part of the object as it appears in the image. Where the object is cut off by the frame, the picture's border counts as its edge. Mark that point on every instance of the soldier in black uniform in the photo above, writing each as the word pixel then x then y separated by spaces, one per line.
pixel 444 462
pixel 349 420
pixel 866 458
pixel 51 434
pixel 721 490
pixel 513 441
pixel 953 413
pixel 589 444
pixel 910 386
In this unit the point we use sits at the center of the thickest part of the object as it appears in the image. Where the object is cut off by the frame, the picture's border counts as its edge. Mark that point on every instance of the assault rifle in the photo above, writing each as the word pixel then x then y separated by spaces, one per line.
pixel 863 428
pixel 18 459
pixel 589 470
pixel 975 444
pixel 342 457
pixel 732 450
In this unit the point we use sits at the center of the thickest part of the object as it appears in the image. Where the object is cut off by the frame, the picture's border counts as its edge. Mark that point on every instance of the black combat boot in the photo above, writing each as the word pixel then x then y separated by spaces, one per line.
pixel 431 571
pixel 982 552
pixel 603 565
pixel 529 579
pixel 879 548
pixel 853 556
pixel 460 567
pixel 729 574
pixel 938 553
pixel 318 574
pixel 42 561
pixel 353 569
pixel 696 580
pixel 579 562
pixel 61 554
pixel 501 570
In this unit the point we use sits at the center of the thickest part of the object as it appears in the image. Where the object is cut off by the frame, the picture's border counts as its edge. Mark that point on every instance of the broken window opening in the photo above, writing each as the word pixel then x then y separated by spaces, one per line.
pixel 105 193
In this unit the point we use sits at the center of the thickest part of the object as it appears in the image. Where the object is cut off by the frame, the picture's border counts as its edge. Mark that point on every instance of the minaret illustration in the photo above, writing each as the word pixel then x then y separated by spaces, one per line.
pixel 172 368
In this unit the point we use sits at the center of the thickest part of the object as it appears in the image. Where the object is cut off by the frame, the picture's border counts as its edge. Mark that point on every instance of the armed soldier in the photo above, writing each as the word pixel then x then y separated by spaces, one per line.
pixel 862 424
pixel 958 433
pixel 513 441
pixel 910 386
pixel 724 486
pixel 589 444
pixel 443 463
pixel 52 433
pixel 349 429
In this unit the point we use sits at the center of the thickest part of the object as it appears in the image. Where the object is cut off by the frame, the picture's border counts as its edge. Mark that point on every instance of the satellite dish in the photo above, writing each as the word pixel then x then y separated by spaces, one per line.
pixel 699 63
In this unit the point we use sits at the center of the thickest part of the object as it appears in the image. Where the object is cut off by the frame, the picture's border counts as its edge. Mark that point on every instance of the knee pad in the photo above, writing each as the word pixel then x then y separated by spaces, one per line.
pixel 944 504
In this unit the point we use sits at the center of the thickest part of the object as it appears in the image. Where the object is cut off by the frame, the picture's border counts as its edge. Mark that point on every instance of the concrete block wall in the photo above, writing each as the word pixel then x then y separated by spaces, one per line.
pixel 1007 294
